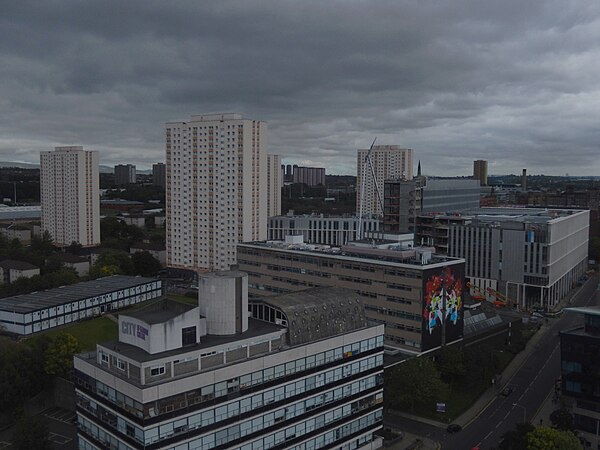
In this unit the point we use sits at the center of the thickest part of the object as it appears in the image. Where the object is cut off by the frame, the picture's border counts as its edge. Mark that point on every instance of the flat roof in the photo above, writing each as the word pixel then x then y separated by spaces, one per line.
pixel 159 312
pixel 66 294
pixel 360 254
pixel 255 328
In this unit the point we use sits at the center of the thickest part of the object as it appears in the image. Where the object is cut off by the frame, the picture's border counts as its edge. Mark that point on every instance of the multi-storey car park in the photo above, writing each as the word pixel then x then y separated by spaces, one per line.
pixel 305 372
pixel 39 311
pixel 416 294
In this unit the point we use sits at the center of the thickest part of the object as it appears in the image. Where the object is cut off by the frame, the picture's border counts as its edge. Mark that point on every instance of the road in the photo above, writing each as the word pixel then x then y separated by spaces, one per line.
pixel 532 382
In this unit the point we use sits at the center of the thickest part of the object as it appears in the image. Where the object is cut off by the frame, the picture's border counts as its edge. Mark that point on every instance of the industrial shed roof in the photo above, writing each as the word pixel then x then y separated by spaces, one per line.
pixel 53 297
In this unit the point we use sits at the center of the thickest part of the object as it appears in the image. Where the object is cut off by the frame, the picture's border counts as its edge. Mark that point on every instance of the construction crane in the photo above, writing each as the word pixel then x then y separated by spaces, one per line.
pixel 368 162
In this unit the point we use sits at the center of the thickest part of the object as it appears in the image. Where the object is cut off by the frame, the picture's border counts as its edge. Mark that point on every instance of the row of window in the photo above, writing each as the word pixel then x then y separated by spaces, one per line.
pixel 222 389
pixel 243 406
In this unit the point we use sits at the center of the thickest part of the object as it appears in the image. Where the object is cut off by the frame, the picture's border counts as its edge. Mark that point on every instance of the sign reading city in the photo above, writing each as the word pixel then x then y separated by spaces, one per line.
pixel 134 329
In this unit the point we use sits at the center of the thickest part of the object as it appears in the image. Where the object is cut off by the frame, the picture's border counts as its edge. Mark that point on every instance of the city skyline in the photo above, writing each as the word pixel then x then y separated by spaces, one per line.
pixel 510 84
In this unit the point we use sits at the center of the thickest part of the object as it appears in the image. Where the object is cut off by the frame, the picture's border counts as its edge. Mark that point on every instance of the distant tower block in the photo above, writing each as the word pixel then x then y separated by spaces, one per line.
pixel 220 293
pixel 480 171
pixel 524 180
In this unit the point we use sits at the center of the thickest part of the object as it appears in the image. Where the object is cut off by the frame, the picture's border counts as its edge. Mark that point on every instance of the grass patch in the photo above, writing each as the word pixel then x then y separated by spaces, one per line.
pixel 184 299
pixel 89 332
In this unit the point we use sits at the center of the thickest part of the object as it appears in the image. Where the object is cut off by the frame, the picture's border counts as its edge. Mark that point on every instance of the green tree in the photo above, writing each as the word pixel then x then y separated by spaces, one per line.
pixel 145 264
pixel 415 383
pixel 562 419
pixel 516 439
pixel 545 438
pixel 450 361
pixel 112 262
pixel 59 360
pixel 42 245
pixel 21 372
pixel 31 433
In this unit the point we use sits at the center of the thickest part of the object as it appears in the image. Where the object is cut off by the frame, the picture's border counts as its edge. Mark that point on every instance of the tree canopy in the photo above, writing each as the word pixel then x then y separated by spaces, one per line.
pixel 59 357
pixel 545 438
pixel 416 382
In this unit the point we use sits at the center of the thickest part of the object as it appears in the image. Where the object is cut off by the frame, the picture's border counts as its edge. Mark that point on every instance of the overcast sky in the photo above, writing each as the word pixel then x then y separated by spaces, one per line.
pixel 513 82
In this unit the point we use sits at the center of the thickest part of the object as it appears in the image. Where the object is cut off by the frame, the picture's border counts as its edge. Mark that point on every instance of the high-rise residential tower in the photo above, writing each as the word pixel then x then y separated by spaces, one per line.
pixel 274 185
pixel 216 192
pixel 70 196
pixel 389 162
pixel 480 171
pixel 124 174
pixel 159 175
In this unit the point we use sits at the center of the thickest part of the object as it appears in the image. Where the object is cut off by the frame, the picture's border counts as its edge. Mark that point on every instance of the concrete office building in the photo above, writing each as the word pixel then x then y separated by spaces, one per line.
pixel 405 199
pixel 29 313
pixel 580 366
pixel 159 175
pixel 480 171
pixel 390 162
pixel 216 189
pixel 401 287
pixel 533 256
pixel 311 176
pixel 125 174
pixel 215 376
pixel 274 185
pixel 70 196
pixel 320 229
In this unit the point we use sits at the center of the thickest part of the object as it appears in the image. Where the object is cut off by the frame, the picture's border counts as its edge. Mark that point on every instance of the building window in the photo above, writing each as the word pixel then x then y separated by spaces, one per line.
pixel 155 371
pixel 121 365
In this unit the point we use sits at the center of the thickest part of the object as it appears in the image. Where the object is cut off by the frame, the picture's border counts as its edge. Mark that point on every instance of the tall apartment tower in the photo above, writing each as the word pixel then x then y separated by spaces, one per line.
pixel 480 171
pixel 70 196
pixel 274 185
pixel 389 162
pixel 124 174
pixel 216 193
pixel 159 175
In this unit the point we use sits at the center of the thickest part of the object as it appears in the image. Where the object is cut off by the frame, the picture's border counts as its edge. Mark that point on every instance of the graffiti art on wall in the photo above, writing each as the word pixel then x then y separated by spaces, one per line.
pixel 439 287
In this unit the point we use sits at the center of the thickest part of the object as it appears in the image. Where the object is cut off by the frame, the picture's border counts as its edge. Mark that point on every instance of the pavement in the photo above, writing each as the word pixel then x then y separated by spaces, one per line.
pixel 541 416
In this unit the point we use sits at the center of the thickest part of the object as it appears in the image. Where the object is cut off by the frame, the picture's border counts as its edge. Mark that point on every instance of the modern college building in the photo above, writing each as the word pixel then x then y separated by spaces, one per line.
pixel 300 371
pixel 416 294
pixel 532 255
pixel 40 311
pixel 320 229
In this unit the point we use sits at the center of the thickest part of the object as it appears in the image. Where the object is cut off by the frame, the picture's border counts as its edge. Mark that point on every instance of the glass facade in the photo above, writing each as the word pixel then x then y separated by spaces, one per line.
pixel 297 398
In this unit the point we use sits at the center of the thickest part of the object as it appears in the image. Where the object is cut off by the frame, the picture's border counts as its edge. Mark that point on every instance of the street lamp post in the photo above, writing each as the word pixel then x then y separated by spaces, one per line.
pixel 524 412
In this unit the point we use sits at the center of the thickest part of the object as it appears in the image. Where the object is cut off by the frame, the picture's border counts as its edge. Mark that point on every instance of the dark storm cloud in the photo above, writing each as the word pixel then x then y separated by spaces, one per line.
pixel 513 82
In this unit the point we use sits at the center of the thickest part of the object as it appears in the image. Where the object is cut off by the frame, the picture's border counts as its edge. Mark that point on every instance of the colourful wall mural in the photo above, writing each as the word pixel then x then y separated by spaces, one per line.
pixel 442 306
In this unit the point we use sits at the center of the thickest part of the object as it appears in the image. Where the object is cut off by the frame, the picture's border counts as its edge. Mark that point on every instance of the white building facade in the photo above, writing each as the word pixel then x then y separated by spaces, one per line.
pixel 274 185
pixel 173 383
pixel 533 256
pixel 39 311
pixel 389 162
pixel 70 196
pixel 321 229
pixel 216 194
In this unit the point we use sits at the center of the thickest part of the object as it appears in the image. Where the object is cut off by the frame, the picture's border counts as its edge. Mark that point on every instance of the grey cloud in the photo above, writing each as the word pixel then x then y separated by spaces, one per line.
pixel 513 82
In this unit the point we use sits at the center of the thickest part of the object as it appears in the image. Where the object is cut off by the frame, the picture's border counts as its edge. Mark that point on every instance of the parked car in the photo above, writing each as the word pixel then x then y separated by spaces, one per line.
pixel 453 428
pixel 506 391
